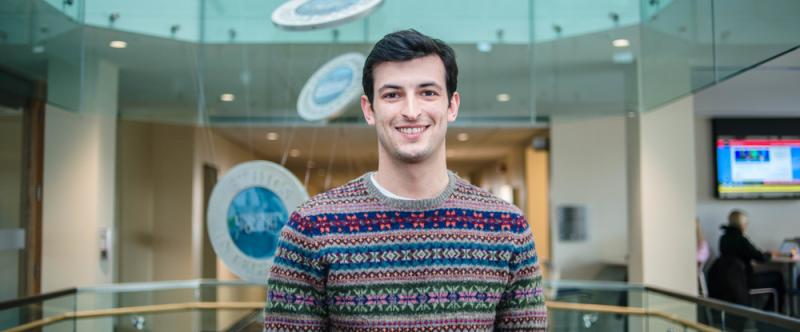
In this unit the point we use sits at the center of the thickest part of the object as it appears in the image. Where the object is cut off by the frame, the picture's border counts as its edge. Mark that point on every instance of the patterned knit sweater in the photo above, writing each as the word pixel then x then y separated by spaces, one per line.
pixel 353 259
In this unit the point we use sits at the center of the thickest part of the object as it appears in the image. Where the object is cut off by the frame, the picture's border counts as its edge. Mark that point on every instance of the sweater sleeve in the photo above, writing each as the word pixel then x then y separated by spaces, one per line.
pixel 522 306
pixel 296 283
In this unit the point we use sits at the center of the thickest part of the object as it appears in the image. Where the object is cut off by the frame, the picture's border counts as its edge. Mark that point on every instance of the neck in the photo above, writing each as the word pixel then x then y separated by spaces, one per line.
pixel 426 179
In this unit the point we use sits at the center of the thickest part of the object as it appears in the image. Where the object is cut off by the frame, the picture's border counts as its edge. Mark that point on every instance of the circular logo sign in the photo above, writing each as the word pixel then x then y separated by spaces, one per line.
pixel 316 14
pixel 332 88
pixel 246 211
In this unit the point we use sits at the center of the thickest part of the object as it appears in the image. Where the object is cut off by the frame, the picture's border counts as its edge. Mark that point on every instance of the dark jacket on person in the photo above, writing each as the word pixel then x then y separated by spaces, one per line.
pixel 734 244
pixel 731 275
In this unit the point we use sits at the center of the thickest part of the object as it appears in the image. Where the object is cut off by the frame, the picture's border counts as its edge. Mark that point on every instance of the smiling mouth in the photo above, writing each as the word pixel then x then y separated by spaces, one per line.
pixel 412 130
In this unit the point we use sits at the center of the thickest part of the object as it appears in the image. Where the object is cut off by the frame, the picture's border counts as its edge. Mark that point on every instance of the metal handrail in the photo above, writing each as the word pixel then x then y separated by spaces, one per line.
pixel 159 308
pixel 788 322
pixel 767 317
pixel 36 298
pixel 612 309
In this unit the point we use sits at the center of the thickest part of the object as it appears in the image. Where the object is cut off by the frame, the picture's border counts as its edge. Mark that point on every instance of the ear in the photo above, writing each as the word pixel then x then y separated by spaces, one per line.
pixel 366 108
pixel 452 111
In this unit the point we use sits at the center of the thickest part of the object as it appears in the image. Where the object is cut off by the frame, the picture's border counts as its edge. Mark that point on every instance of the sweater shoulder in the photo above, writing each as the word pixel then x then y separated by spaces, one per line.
pixel 338 199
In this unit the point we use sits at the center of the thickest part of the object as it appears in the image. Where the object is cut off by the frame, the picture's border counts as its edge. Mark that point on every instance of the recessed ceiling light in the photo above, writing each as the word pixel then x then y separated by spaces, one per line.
pixel 294 153
pixel 227 97
pixel 621 43
pixel 118 44
pixel 484 47
pixel 462 137
pixel 272 136
pixel 503 97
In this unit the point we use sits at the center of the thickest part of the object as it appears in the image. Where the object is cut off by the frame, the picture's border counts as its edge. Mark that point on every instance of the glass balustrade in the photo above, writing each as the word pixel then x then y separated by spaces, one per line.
pixel 201 305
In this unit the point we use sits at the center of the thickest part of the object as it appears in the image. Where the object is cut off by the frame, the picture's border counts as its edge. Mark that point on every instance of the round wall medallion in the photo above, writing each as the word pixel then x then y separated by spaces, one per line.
pixel 246 211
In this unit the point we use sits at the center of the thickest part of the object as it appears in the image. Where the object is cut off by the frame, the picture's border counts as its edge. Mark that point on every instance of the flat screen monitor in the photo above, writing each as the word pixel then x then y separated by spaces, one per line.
pixel 757 158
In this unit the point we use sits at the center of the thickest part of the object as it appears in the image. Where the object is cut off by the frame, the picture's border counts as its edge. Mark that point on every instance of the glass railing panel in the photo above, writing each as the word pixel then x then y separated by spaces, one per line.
pixel 70 8
pixel 176 19
pixel 676 51
pixel 748 32
pixel 38 42
pixel 718 314
pixel 456 21
pixel 31 311
pixel 593 292
pixel 569 320
pixel 685 310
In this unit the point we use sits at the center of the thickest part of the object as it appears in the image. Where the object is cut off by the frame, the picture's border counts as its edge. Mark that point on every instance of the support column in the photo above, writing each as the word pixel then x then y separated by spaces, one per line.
pixel 662 204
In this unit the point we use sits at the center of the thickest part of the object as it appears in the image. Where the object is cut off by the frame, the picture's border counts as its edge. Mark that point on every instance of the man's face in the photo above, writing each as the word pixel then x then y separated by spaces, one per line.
pixel 410 108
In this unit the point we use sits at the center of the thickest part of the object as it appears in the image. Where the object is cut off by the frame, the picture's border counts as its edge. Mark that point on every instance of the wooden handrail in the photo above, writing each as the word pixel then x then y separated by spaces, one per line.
pixel 612 309
pixel 157 308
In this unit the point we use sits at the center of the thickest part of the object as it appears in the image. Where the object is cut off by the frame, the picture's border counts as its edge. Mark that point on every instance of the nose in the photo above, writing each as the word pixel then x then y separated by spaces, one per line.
pixel 412 111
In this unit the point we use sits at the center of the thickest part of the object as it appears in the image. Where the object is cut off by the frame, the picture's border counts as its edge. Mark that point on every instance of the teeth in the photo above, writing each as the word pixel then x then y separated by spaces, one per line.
pixel 411 130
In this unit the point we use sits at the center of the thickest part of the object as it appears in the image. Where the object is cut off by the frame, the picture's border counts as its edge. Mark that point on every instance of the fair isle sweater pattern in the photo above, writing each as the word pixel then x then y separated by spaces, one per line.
pixel 352 259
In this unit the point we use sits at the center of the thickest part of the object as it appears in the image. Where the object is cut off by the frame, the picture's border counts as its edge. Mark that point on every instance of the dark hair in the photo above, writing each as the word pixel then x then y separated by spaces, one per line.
pixel 407 45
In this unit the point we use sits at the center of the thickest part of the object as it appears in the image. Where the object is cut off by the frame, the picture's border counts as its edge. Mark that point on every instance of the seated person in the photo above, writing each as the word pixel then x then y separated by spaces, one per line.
pixel 736 249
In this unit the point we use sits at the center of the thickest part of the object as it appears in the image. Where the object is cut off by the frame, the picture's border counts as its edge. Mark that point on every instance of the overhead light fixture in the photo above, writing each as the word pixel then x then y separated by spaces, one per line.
pixel 272 136
pixel 294 153
pixel 462 137
pixel 621 42
pixel 227 97
pixel 503 97
pixel 484 46
pixel 118 44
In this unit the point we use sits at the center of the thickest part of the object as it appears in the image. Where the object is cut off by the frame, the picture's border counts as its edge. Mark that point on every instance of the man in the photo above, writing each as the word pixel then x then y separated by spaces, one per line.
pixel 734 269
pixel 411 247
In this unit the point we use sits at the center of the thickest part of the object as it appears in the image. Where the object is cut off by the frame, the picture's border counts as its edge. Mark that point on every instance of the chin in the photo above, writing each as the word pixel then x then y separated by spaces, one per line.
pixel 412 157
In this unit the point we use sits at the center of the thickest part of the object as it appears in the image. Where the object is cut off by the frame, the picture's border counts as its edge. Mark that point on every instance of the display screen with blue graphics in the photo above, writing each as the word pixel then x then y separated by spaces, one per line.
pixel 758 167
pixel 334 84
pixel 255 218
pixel 323 7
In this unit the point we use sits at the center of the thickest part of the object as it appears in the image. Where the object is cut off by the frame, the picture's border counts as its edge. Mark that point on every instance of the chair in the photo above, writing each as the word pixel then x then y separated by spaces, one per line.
pixel 728 282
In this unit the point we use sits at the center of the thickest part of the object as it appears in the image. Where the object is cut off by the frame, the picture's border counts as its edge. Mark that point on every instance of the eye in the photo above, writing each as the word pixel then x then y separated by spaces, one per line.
pixel 390 95
pixel 429 93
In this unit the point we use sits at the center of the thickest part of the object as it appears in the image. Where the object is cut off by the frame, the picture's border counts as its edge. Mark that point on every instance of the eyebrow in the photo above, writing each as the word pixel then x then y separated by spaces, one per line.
pixel 421 85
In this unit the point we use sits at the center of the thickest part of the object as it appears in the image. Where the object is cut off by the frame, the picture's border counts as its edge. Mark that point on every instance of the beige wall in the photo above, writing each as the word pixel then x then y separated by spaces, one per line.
pixel 135 202
pixel 589 169
pixel 79 187
pixel 663 233
pixel 155 202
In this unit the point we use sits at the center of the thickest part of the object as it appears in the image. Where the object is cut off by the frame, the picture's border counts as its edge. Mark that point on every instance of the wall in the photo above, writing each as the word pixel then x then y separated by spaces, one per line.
pixel 79 187
pixel 588 168
pixel 663 230
pixel 135 202
pixel 155 202
pixel 72 210
pixel 770 220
